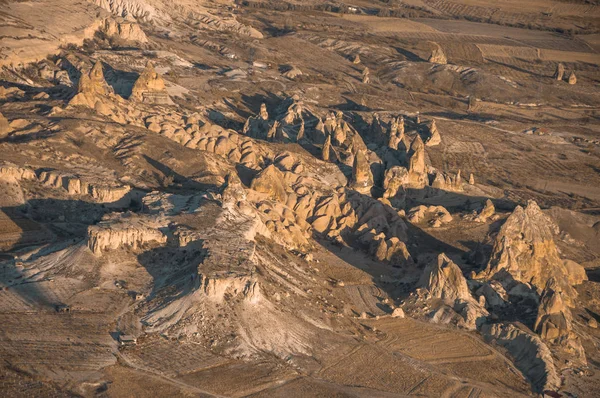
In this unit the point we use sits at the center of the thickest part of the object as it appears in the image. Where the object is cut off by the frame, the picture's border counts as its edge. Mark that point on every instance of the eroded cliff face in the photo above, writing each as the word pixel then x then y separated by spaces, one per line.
pixel 531 355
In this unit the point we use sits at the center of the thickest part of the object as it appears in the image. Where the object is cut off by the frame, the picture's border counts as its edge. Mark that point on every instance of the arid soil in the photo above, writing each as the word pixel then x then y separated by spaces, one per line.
pixel 299 198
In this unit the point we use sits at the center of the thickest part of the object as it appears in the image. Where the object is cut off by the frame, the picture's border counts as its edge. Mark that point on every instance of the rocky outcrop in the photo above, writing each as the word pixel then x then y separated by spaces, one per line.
pixel 150 88
pixel 115 233
pixel 124 30
pixel 524 248
pixel 362 177
pixel 572 78
pixel 437 55
pixel 531 356
pixel 553 322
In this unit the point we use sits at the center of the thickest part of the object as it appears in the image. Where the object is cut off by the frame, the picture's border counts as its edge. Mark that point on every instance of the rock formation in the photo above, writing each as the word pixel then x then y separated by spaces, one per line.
pixel 270 182
pixel 525 249
pixel 434 137
pixel 264 115
pixel 488 211
pixel 150 88
pixel 439 215
pixel 356 60
pixel 292 73
pixel 394 181
pixel 5 128
pixel 572 78
pixel 471 179
pixel 125 30
pixel 445 280
pixel 560 71
pixel 365 76
pixel 447 181
pixel 417 170
pixel 362 177
pixel 326 148
pixel 92 87
pixel 437 55
pixel 112 234
pixel 553 320
pixel 396 133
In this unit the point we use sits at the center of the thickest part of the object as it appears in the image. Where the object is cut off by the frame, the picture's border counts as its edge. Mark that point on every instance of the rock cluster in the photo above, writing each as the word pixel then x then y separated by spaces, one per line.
pixel 100 192
pixel 560 74
pixel 447 181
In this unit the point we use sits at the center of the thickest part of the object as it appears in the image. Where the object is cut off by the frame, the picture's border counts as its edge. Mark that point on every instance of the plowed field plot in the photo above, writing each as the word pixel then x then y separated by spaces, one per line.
pixel 373 367
pixel 237 378
pixel 172 358
pixel 431 344
pixel 462 354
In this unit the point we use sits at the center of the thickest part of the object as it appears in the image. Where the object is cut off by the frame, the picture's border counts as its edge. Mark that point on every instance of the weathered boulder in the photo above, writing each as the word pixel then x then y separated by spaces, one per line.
pixel 572 78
